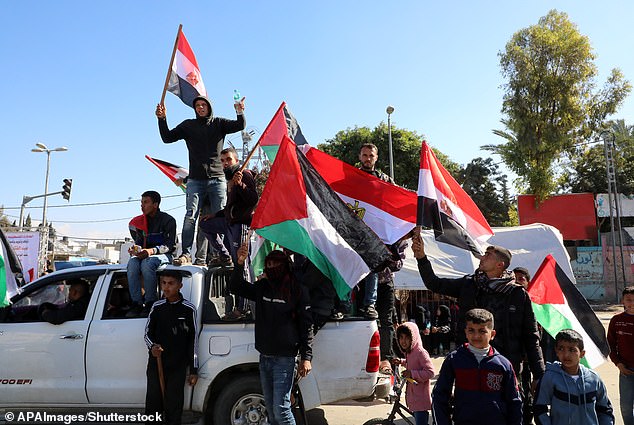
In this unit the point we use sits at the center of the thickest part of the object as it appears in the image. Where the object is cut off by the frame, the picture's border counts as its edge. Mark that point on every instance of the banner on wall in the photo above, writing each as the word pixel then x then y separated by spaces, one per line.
pixel 26 246
pixel 626 203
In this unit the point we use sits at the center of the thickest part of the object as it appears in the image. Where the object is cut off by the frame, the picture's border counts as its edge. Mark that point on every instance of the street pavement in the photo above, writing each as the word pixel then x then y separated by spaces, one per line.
pixel 356 413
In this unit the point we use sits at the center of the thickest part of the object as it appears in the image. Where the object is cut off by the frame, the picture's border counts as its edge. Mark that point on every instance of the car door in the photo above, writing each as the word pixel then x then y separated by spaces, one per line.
pixel 43 363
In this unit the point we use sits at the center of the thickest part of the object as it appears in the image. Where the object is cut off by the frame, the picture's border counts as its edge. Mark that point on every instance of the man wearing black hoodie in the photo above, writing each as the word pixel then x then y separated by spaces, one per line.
pixel 204 137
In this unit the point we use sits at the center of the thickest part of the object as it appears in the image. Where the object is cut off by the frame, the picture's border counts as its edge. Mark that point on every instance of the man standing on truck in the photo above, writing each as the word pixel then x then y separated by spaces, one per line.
pixel 283 328
pixel 204 136
pixel 154 235
pixel 171 335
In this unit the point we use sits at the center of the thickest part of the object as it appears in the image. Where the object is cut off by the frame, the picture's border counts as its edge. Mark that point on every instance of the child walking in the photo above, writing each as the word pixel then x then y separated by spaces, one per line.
pixel 419 370
pixel 621 341
pixel 483 382
pixel 575 394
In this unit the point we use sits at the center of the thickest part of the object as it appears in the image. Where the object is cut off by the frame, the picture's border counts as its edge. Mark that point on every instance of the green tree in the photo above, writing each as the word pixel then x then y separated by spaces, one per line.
pixel 550 101
pixel 4 220
pixel 488 188
pixel 406 147
pixel 27 222
pixel 586 170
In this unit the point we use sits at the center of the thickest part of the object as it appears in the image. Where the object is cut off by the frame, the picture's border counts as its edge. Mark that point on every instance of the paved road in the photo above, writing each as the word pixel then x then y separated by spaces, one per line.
pixel 355 413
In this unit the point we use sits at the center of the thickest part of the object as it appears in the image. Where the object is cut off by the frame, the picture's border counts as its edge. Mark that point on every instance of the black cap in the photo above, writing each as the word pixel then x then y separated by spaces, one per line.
pixel 504 254
pixel 524 271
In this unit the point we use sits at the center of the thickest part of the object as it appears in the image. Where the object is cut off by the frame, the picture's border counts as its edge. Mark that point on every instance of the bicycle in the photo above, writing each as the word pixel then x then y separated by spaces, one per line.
pixel 397 408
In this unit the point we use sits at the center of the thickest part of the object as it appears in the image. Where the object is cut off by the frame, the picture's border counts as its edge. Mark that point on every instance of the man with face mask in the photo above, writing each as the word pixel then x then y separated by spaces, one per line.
pixel 234 220
pixel 283 329
pixel 204 136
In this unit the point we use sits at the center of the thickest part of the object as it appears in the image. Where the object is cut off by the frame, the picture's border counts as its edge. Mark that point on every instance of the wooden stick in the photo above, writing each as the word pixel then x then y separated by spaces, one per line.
pixel 159 364
pixel 246 161
pixel 169 70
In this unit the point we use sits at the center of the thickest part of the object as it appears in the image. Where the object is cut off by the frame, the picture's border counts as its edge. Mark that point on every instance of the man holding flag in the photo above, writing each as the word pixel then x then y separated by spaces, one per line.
pixel 493 288
pixel 204 136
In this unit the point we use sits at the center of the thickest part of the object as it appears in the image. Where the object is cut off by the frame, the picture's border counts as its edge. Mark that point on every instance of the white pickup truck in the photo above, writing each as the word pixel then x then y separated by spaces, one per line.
pixel 99 362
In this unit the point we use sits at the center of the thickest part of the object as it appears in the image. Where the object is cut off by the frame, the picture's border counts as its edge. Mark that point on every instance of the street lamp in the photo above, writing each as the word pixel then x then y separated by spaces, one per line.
pixel 41 147
pixel 389 111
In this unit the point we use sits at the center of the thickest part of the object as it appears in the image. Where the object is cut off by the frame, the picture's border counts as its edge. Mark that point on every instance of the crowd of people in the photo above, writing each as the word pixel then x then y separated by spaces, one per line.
pixel 489 335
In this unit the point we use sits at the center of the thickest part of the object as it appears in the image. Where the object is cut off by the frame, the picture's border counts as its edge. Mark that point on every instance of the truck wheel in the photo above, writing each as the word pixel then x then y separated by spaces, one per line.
pixel 378 421
pixel 241 402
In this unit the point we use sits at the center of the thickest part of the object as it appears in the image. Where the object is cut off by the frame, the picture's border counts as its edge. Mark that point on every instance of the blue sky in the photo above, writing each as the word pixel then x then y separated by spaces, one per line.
pixel 88 75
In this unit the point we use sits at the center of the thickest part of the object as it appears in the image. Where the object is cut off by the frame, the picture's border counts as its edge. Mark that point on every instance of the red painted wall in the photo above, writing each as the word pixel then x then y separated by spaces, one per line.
pixel 574 214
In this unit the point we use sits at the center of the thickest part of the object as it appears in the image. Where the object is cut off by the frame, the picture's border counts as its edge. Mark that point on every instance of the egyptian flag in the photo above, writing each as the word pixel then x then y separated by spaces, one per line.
pixel 558 305
pixel 282 124
pixel 299 211
pixel 10 271
pixel 172 171
pixel 446 208
pixel 387 209
pixel 185 80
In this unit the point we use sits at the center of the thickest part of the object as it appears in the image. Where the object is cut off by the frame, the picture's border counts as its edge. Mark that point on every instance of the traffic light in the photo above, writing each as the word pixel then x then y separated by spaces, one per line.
pixel 66 188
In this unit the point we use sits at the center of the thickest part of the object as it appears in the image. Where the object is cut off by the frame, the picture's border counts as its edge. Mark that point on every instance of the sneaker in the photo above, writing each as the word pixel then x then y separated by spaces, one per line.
pixel 336 315
pixel 145 312
pixel 221 262
pixel 183 260
pixel 371 313
pixel 233 316
pixel 200 262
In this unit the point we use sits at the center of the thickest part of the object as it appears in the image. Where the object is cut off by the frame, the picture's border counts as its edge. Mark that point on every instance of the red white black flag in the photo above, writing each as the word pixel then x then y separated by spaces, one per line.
pixel 185 80
pixel 446 208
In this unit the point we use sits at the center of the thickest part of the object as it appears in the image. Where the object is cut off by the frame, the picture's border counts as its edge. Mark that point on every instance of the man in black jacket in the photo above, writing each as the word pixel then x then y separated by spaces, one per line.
pixel 204 136
pixel 171 334
pixel 283 327
pixel 493 288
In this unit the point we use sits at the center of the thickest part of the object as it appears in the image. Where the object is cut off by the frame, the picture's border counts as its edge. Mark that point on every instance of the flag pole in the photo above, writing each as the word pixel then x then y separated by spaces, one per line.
pixel 246 161
pixel 169 70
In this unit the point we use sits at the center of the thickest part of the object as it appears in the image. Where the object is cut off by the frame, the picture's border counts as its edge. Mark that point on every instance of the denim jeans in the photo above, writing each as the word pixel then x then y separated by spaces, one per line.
pixel 146 268
pixel 371 285
pixel 216 191
pixel 626 392
pixel 276 376
pixel 421 417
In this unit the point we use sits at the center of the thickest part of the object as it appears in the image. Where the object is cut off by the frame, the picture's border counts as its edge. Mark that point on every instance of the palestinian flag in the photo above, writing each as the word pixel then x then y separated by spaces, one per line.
pixel 388 209
pixel 138 228
pixel 185 80
pixel 10 271
pixel 299 211
pixel 260 248
pixel 172 171
pixel 282 124
pixel 446 208
pixel 558 305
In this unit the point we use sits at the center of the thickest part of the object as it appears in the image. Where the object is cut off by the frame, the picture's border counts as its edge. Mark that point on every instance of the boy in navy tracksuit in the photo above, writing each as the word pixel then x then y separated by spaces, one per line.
pixel 170 333
pixel 483 382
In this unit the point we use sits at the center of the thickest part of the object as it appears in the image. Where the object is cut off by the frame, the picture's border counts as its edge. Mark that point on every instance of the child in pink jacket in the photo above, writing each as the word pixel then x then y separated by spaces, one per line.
pixel 419 368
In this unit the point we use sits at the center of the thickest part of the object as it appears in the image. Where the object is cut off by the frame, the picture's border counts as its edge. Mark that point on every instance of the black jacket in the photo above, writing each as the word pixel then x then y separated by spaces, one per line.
pixel 241 200
pixel 283 327
pixel 161 233
pixel 72 310
pixel 515 325
pixel 204 142
pixel 173 326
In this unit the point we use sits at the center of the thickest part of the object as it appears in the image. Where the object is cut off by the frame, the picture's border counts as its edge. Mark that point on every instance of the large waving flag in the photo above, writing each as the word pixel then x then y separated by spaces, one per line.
pixel 10 271
pixel 172 171
pixel 387 209
pixel 299 211
pixel 185 80
pixel 558 305
pixel 446 208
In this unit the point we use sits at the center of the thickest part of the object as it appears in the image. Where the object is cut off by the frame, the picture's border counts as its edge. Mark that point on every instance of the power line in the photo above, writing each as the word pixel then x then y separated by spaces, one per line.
pixel 92 204
pixel 95 221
